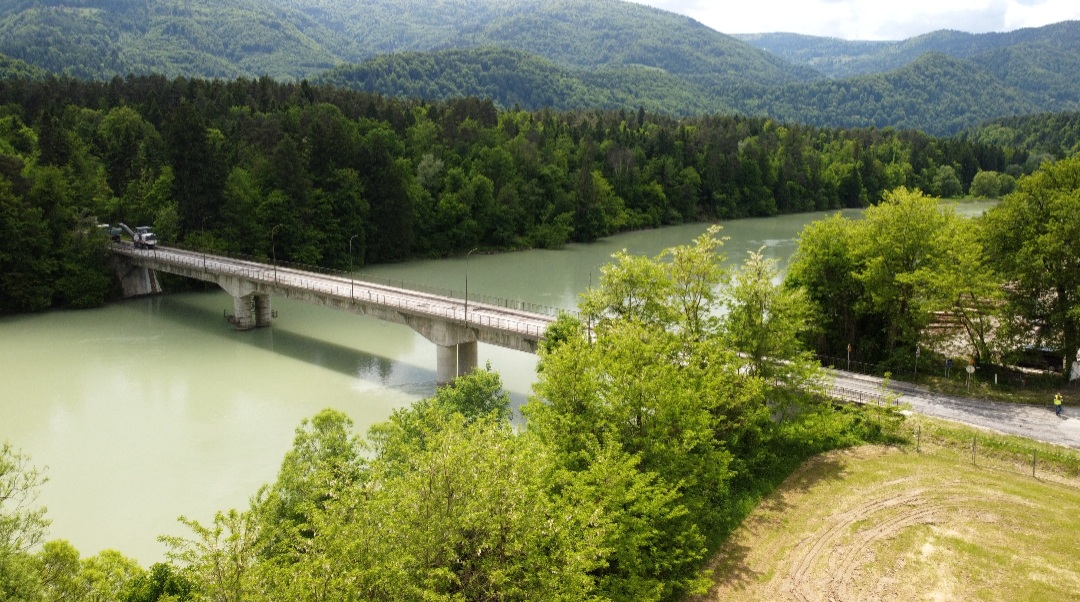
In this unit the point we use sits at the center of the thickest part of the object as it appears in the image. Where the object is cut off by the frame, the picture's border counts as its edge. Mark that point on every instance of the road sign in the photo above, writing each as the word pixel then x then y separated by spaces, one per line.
pixel 971 369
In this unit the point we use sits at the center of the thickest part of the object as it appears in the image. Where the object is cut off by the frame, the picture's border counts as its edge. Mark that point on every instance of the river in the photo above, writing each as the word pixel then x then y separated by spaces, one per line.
pixel 153 408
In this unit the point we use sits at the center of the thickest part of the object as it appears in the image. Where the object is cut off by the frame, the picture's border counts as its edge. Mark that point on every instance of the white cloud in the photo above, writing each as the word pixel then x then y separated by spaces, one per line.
pixel 871 19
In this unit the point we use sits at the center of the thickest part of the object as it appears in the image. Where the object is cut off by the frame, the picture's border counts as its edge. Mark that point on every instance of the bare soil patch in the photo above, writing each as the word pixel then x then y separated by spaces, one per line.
pixel 878 523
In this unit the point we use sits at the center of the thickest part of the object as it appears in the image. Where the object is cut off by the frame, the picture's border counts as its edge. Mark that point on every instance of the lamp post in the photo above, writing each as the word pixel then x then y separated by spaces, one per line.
pixel 467 286
pixel 203 230
pixel 352 279
pixel 273 250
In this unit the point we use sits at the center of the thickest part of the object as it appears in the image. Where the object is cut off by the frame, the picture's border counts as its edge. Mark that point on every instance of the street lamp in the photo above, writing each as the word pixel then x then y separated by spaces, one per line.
pixel 467 286
pixel 273 250
pixel 352 279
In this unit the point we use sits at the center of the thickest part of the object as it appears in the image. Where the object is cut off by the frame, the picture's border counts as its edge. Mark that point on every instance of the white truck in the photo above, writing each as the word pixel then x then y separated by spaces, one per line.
pixel 141 236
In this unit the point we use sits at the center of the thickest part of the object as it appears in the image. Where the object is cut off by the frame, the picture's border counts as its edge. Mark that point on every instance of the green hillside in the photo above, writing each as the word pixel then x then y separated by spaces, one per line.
pixel 1045 135
pixel 293 39
pixel 14 68
pixel 937 93
pixel 514 78
pixel 843 58
pixel 561 54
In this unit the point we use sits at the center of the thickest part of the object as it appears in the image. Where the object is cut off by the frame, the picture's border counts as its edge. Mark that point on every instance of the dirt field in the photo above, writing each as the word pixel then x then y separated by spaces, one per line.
pixel 883 524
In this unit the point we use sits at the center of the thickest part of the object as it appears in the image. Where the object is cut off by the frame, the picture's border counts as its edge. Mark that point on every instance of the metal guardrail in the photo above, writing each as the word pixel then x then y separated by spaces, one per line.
pixel 856 395
pixel 291 277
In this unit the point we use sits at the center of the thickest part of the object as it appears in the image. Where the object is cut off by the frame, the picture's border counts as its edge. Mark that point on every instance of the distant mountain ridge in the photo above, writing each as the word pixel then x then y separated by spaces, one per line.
pixel 837 58
pixel 565 54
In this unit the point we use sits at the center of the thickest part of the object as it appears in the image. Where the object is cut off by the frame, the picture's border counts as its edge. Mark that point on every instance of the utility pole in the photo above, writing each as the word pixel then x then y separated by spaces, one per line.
pixel 467 255
pixel 352 279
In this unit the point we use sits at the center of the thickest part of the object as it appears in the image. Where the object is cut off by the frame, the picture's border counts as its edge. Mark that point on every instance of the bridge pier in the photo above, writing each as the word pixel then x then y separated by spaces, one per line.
pixel 264 315
pixel 243 318
pixel 453 361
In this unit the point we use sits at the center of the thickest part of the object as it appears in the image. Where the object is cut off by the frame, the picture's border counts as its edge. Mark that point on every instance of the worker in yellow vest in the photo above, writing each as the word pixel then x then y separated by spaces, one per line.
pixel 1057 404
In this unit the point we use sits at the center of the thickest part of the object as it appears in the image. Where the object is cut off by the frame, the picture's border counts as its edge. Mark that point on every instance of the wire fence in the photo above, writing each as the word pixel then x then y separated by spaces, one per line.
pixel 998 453
pixel 956 371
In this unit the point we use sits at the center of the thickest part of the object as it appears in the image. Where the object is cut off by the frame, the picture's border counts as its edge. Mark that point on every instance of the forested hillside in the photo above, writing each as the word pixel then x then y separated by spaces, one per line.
pixel 219 165
pixel 296 39
pixel 514 78
pixel 15 69
pixel 564 55
pixel 838 58
pixel 1049 135
pixel 937 93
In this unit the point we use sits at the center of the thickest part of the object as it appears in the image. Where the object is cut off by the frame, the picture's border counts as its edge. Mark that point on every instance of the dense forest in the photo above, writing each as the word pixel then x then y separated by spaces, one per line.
pixel 219 165
pixel 1053 134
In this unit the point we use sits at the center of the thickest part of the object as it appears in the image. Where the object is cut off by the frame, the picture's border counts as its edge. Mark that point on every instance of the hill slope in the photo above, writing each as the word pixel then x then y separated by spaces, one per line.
pixel 512 77
pixel 937 93
pixel 843 58
pixel 290 39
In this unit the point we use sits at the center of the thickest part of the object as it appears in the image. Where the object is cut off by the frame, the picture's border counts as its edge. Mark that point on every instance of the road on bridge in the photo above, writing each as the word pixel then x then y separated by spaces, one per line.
pixel 343 287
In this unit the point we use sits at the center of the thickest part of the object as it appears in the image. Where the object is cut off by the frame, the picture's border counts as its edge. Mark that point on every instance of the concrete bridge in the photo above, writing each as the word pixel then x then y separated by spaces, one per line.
pixel 454 325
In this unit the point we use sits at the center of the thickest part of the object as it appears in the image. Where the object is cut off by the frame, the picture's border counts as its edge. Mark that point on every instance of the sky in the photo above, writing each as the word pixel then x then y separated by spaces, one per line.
pixel 870 19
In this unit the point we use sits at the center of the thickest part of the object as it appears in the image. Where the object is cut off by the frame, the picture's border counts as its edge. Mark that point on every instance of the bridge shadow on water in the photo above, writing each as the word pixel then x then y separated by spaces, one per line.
pixel 384 371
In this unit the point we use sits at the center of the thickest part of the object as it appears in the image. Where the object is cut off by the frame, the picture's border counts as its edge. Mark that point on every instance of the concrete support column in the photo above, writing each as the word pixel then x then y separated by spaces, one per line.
pixel 446 364
pixel 264 316
pixel 466 358
pixel 242 314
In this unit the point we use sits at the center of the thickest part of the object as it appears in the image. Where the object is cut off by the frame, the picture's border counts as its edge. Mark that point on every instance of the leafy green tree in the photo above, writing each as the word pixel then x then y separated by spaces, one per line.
pixel 946 183
pixel 162 583
pixel 220 557
pixel 1032 238
pixel 825 266
pixel 986 185
pixel 907 247
pixel 22 526
pixel 764 323
pixel 324 461
pixel 104 577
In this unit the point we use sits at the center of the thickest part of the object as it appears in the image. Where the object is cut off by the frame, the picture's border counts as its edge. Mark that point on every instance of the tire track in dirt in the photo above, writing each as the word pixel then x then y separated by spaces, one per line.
pixel 840 579
pixel 834 583
pixel 799 584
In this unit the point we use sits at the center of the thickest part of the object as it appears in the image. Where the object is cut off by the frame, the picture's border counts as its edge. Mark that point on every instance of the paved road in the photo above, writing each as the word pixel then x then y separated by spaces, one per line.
pixel 1034 422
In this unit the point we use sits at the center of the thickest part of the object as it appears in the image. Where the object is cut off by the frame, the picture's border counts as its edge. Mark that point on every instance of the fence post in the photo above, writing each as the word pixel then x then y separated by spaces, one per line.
pixel 1034 455
pixel 918 438
pixel 973 450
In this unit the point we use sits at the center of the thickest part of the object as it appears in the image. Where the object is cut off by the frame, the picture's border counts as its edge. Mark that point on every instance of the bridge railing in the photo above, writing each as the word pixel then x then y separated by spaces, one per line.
pixel 513 304
pixel 343 288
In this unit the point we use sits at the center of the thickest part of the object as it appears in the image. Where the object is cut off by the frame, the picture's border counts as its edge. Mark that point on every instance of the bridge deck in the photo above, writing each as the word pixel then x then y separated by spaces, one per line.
pixel 341 288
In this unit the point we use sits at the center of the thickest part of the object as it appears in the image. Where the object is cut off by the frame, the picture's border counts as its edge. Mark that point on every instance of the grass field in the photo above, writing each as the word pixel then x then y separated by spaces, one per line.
pixel 877 523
